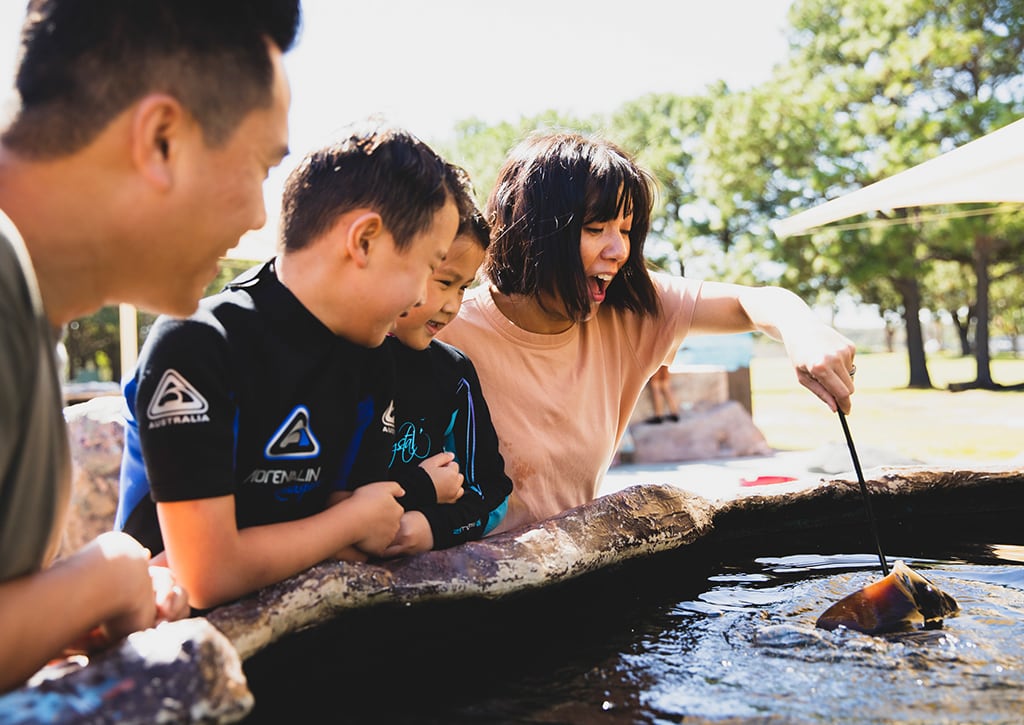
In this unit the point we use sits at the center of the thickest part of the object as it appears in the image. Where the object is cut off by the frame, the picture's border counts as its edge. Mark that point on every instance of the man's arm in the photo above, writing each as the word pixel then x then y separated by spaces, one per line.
pixel 821 356
pixel 107 583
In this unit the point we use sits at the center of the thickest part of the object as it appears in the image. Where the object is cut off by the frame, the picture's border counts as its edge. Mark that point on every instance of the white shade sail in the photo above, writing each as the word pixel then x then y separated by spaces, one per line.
pixel 988 169
pixel 256 246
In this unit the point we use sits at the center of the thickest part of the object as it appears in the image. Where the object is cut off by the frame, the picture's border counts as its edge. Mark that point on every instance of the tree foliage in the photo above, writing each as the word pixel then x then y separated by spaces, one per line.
pixel 868 89
pixel 875 87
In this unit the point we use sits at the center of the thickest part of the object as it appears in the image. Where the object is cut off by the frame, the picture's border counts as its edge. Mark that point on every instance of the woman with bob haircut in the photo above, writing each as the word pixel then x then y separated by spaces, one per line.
pixel 569 324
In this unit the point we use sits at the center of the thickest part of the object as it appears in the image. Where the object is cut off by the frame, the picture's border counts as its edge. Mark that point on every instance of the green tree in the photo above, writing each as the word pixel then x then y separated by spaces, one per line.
pixel 481 148
pixel 950 286
pixel 86 337
pixel 99 333
pixel 1007 312
pixel 871 88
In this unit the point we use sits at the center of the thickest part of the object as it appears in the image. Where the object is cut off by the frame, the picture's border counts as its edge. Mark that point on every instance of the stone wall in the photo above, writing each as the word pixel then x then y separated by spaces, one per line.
pixel 724 430
pixel 714 420
pixel 96 433
pixel 695 387
pixel 189 671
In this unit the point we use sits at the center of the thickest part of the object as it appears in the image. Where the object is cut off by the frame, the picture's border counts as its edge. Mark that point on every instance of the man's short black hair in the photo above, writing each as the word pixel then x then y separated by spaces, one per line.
pixel 82 62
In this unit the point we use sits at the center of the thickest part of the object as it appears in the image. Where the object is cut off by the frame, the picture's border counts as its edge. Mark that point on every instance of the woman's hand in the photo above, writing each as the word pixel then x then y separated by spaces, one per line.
pixel 823 360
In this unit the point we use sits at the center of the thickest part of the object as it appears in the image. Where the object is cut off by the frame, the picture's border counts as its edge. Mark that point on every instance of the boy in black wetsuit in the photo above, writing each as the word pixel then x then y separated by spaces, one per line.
pixel 439 407
pixel 252 412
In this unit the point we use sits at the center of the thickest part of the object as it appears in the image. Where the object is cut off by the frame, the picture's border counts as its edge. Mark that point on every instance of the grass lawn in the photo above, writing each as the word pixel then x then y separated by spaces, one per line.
pixel 981 426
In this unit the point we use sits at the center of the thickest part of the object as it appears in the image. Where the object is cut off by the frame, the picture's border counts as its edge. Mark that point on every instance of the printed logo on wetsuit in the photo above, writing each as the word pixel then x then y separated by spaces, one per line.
pixel 176 401
pixel 294 439
pixel 387 420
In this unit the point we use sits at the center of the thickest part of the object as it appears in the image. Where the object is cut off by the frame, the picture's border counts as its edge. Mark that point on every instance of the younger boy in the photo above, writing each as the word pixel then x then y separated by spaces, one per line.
pixel 439 407
pixel 252 411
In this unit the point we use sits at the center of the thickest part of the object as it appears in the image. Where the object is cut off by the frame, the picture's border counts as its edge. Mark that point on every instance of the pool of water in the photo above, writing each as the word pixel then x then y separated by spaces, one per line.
pixel 690 636
pixel 747 647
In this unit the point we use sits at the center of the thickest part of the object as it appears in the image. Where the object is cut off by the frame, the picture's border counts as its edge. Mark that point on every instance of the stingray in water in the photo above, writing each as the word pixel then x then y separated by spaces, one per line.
pixel 901 601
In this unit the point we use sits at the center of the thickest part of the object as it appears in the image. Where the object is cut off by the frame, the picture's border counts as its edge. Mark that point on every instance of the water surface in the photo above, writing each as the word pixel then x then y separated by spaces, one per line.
pixel 679 638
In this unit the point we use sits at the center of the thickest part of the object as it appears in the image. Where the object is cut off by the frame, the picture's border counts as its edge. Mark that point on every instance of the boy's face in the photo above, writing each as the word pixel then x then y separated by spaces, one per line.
pixel 417 327
pixel 402 275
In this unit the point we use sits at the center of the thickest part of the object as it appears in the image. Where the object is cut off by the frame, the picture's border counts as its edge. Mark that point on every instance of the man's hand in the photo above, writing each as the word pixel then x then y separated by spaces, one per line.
pixel 171 597
pixel 118 552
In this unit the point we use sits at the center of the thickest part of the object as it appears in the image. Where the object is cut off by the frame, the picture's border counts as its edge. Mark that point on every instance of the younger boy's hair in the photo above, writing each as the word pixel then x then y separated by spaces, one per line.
pixel 83 62
pixel 551 186
pixel 378 167
pixel 471 220
pixel 476 226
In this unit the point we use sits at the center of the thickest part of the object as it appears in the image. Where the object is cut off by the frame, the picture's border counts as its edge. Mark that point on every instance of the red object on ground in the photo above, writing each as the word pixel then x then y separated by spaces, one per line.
pixel 765 480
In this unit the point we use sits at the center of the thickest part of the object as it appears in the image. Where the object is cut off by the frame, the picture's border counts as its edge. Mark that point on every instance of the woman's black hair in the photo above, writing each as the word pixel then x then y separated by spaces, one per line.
pixel 549 188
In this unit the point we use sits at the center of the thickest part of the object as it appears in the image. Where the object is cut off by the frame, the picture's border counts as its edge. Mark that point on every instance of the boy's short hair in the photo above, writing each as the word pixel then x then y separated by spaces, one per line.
pixel 471 220
pixel 550 187
pixel 476 226
pixel 378 167
pixel 82 62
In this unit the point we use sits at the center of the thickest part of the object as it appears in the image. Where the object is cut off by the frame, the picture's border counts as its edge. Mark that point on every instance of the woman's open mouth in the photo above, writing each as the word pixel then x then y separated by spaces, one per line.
pixel 599 286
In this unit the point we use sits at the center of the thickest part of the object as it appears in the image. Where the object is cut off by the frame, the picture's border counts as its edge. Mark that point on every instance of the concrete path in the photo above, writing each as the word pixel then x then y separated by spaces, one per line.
pixel 727 478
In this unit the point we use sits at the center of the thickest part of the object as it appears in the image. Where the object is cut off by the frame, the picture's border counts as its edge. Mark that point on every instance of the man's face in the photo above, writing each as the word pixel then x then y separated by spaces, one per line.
pixel 221 198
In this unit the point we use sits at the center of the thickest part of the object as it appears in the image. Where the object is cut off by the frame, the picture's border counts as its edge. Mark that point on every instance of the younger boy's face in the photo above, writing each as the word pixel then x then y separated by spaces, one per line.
pixel 418 326
pixel 403 274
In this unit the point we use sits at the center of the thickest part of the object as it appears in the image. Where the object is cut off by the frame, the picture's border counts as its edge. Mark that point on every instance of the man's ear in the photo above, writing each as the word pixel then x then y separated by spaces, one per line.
pixel 363 234
pixel 157 127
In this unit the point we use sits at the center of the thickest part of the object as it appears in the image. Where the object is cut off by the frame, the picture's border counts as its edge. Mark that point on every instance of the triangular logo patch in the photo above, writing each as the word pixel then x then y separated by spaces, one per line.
pixel 295 438
pixel 175 396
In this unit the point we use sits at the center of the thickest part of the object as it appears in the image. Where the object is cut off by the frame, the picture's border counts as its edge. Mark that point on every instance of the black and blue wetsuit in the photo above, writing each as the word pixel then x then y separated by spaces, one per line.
pixel 439 407
pixel 252 396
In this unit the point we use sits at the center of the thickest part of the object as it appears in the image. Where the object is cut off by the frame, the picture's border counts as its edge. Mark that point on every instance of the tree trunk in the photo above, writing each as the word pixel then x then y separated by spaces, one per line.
pixel 962 331
pixel 910 292
pixel 982 356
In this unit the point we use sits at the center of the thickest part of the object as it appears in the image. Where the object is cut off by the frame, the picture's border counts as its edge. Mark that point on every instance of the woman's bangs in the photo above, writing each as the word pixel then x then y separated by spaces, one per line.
pixel 605 198
pixel 612 190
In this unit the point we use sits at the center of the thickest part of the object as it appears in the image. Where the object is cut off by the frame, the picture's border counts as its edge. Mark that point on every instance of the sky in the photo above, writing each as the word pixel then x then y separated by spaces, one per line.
pixel 428 65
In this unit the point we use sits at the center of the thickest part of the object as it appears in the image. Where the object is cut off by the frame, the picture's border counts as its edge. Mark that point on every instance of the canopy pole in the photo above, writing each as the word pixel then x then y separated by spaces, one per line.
pixel 129 330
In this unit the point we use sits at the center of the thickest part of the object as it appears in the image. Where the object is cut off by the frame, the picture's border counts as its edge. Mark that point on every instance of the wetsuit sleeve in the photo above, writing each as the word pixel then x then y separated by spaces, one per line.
pixel 186 412
pixel 418 486
pixel 486 487
pixel 136 511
